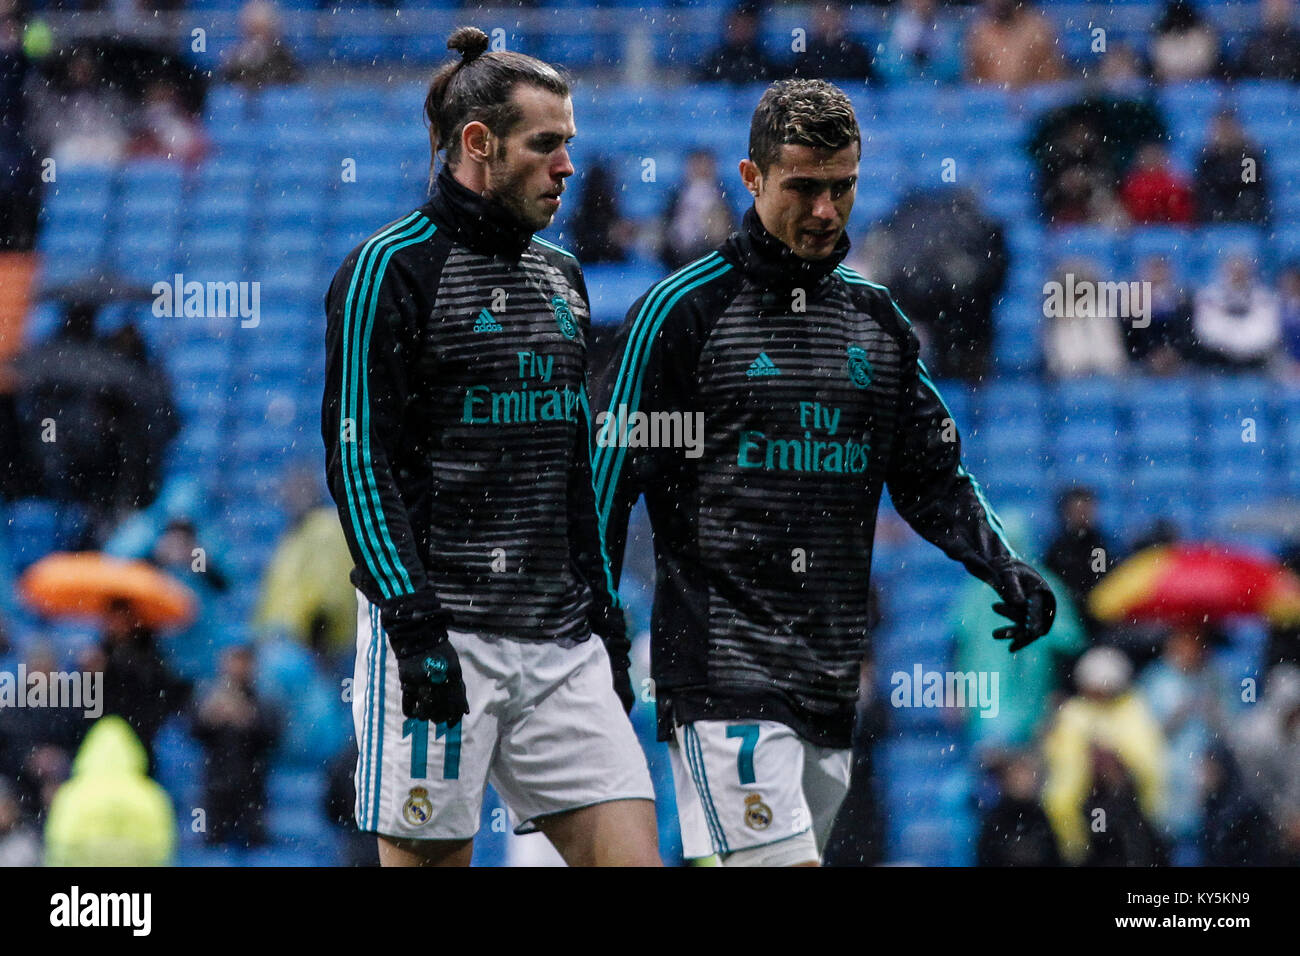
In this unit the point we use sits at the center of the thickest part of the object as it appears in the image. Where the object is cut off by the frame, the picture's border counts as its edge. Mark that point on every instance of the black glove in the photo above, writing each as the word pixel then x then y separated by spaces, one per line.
pixel 1026 600
pixel 433 688
pixel 612 630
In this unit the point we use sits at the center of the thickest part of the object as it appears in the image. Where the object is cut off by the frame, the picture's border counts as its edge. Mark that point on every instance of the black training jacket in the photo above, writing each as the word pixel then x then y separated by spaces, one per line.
pixel 813 398
pixel 456 425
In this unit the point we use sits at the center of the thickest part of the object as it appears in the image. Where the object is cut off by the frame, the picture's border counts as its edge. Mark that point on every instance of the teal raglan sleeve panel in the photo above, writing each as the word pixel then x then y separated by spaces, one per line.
pixel 928 484
pixel 370 329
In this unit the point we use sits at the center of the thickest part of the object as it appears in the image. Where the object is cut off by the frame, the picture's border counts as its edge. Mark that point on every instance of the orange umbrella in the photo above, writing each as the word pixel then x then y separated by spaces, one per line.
pixel 86 583
pixel 1191 583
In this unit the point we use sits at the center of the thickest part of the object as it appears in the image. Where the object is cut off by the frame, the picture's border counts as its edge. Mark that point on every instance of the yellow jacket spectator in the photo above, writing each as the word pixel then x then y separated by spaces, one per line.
pixel 1106 715
pixel 110 813
pixel 306 592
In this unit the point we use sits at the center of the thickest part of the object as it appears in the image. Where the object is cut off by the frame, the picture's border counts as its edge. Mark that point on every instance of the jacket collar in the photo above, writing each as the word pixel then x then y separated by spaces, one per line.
pixel 483 225
pixel 770 262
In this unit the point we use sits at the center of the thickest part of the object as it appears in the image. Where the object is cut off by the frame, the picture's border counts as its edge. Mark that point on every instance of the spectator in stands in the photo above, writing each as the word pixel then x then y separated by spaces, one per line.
pixel 1014 45
pixel 740 59
pixel 1185 45
pixel 1238 831
pixel 192 653
pixel 921 45
pixel 82 118
pixel 1267 742
pixel 946 261
pixel 1028 683
pixel 1083 193
pixel 1084 148
pixel 1272 52
pixel 1237 320
pixel 600 233
pixel 305 591
pixel 698 216
pixel 1154 191
pixel 114 412
pixel 138 684
pixel 36 744
pixel 19 182
pixel 1164 346
pixel 1288 290
pixel 19 843
pixel 833 53
pixel 1081 553
pixel 1129 837
pixel 1230 183
pixel 164 129
pixel 110 813
pixel 1015 831
pixel 1103 749
pixel 238 732
pixel 261 57
pixel 1193 703
pixel 1082 338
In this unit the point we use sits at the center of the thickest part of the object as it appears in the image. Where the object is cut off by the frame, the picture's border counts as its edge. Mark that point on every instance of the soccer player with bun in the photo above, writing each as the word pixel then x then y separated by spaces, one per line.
pixel 814 401
pixel 490 645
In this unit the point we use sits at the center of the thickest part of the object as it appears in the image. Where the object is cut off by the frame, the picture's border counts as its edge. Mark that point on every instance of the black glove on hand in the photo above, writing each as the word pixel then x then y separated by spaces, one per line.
pixel 1026 600
pixel 433 688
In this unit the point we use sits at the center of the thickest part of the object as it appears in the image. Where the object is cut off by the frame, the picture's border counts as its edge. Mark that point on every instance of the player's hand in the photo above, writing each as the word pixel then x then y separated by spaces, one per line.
pixel 428 667
pixel 1027 601
pixel 611 627
pixel 619 649
pixel 433 688
pixel 623 686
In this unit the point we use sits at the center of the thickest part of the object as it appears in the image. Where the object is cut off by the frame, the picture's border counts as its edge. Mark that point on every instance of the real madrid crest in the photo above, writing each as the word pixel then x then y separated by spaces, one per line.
pixel 564 316
pixel 758 815
pixel 417 810
pixel 858 367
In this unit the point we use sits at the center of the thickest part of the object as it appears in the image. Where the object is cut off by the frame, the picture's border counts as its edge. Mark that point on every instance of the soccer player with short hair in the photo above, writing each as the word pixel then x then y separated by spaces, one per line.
pixel 814 400
pixel 458 450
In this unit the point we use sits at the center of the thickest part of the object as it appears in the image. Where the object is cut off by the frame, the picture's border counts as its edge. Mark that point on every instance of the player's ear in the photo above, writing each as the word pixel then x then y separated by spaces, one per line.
pixel 752 178
pixel 476 141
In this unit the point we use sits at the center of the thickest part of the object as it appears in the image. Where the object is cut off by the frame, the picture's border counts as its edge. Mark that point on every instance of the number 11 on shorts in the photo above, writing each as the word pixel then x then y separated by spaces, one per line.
pixel 748 734
pixel 418 731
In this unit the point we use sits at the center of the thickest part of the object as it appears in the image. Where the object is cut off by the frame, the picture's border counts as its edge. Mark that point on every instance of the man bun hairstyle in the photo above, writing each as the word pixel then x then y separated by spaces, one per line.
pixel 801 113
pixel 477 88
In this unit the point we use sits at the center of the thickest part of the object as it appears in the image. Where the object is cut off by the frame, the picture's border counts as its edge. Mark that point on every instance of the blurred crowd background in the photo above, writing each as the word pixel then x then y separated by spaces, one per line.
pixel 1006 146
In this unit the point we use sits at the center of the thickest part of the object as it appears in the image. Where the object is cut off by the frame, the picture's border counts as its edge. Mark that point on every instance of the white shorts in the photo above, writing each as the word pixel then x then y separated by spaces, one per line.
pixel 544 727
pixel 742 784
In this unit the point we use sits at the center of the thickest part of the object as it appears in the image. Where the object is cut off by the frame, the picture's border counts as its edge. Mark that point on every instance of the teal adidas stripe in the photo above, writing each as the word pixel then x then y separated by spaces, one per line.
pixel 627 388
pixel 381 554
pixel 379 751
pixel 849 275
pixel 367 327
pixel 367 539
pixel 600 525
pixel 551 245
pixel 695 760
pixel 365 746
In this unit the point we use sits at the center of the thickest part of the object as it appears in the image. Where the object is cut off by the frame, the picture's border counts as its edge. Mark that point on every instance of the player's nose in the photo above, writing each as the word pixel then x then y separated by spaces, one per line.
pixel 823 208
pixel 564 165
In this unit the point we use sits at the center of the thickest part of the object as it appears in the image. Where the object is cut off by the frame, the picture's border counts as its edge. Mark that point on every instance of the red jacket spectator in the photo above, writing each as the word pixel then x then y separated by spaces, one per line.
pixel 1154 192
